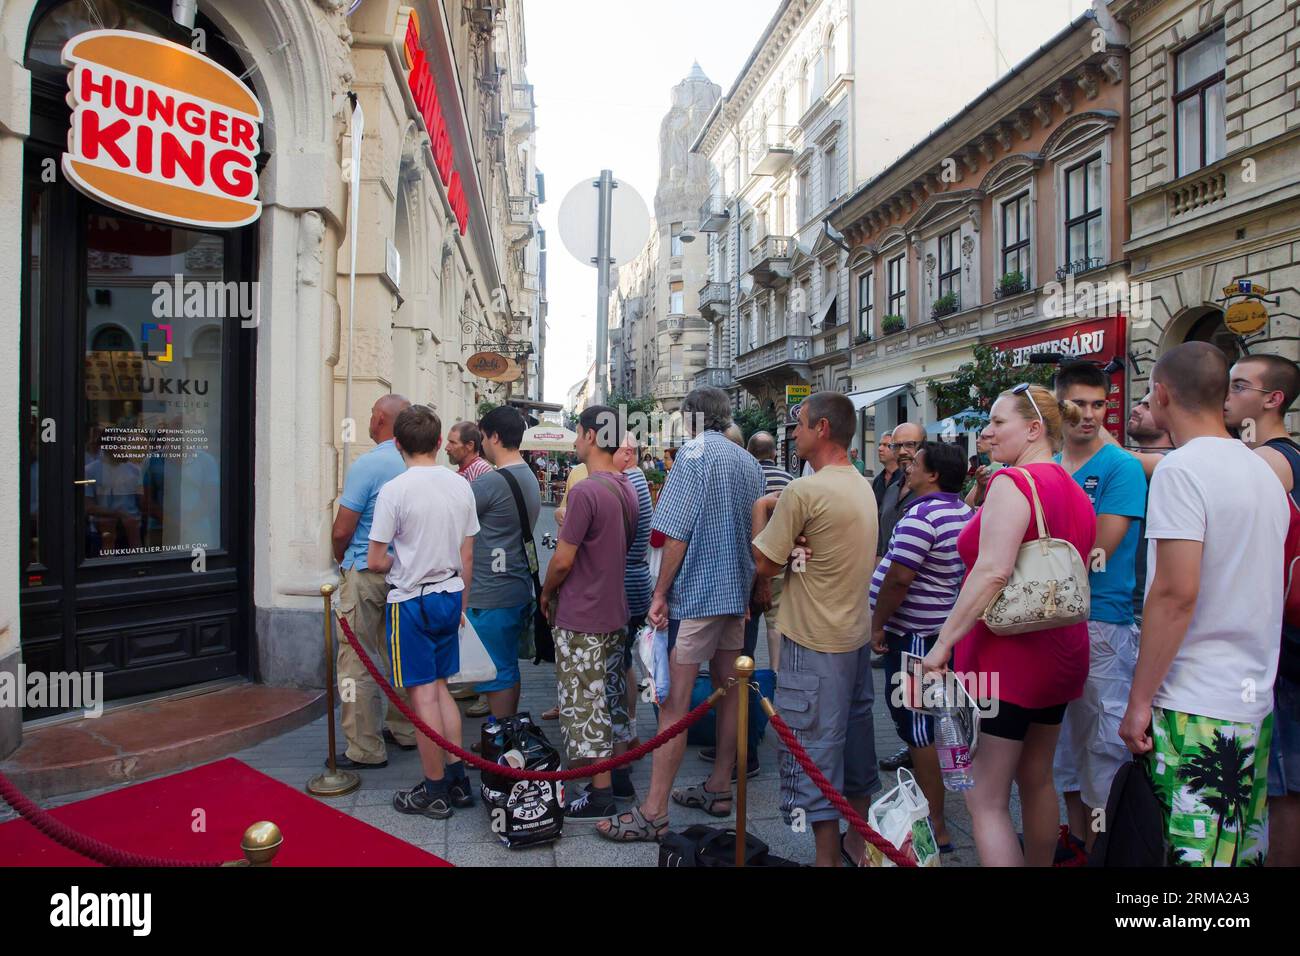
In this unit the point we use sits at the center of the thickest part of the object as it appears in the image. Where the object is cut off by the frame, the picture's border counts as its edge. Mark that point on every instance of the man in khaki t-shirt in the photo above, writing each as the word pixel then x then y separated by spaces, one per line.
pixel 823 683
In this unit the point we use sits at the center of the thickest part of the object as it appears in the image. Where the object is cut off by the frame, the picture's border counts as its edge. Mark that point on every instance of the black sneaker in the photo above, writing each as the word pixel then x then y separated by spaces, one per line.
pixel 418 802
pixel 751 771
pixel 899 760
pixel 584 808
pixel 461 792
pixel 710 754
pixel 623 795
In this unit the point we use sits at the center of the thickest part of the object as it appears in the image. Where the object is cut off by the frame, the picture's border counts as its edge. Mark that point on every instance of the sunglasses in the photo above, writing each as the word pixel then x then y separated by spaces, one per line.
pixel 1023 389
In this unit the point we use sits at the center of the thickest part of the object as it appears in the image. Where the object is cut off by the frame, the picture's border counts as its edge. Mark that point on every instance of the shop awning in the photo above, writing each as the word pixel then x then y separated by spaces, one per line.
pixel 966 420
pixel 863 400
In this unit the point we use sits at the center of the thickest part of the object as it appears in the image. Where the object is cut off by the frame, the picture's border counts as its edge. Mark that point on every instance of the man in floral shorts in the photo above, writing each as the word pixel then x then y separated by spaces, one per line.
pixel 590 611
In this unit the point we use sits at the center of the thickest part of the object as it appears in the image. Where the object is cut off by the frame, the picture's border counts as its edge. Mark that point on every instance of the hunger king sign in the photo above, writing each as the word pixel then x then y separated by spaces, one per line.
pixel 161 131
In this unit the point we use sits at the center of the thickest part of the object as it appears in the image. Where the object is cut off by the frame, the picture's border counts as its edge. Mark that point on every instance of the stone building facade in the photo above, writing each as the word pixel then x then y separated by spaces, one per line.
pixel 658 341
pixel 448 259
pixel 1005 227
pixel 1215 171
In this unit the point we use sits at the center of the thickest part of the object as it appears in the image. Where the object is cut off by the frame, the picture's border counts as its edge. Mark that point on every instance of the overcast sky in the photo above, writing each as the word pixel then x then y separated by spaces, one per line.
pixel 603 71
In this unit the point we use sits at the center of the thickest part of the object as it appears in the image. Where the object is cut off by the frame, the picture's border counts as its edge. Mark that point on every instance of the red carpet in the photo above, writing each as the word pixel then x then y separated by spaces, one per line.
pixel 158 817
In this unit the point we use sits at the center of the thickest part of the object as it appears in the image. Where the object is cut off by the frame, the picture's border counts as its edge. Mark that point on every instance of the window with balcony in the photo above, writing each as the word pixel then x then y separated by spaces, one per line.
pixel 896 286
pixel 1199 92
pixel 1015 237
pixel 866 302
pixel 675 242
pixel 801 200
pixel 675 299
pixel 950 263
pixel 746 244
pixel 723 265
pixel 1084 241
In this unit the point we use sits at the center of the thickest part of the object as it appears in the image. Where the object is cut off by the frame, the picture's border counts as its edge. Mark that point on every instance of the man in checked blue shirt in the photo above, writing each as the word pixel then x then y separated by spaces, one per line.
pixel 701 596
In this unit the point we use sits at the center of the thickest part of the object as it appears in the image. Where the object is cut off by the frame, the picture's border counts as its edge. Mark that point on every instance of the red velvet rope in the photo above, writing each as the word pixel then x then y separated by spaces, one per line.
pixel 87 846
pixel 835 797
pixel 514 773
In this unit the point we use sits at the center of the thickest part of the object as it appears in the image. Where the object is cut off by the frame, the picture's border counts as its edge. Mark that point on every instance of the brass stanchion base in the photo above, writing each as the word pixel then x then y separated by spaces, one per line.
pixel 335 784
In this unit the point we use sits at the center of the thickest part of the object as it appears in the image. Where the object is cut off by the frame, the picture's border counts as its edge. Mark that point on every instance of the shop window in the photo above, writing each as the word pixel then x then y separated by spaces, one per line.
pixel 1199 93
pixel 67 20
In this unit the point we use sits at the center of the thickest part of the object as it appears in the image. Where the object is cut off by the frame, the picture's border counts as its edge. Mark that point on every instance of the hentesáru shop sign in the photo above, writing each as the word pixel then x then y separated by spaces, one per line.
pixel 1098 341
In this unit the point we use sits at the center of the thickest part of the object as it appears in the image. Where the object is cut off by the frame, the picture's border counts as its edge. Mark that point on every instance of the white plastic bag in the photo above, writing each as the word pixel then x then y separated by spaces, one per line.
pixel 902 816
pixel 476 665
pixel 652 652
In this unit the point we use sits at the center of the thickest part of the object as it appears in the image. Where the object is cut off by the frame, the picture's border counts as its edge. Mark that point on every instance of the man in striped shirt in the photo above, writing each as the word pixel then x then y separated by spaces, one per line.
pixel 465 451
pixel 912 593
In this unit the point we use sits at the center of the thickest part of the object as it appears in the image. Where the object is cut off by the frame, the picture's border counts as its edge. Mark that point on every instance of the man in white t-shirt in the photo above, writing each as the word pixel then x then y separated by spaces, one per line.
pixel 428 515
pixel 1202 695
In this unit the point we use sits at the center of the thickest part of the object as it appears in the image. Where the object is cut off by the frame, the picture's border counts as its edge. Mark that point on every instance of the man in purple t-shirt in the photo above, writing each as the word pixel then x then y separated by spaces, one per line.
pixel 590 610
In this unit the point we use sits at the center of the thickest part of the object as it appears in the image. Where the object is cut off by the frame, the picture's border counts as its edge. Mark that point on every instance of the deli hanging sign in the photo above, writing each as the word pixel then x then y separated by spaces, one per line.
pixel 161 131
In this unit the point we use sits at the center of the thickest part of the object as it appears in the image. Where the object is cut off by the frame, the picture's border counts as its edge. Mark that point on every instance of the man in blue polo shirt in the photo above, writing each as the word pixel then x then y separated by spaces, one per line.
pixel 1090 751
pixel 362 599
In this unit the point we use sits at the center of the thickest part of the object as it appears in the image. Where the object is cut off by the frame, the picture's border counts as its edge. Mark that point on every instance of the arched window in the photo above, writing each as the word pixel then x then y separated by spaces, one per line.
pixel 111 338
pixel 69 19
pixel 805 86
pixel 828 55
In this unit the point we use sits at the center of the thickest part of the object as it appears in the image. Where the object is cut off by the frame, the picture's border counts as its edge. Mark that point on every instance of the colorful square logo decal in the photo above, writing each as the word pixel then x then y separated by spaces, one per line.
pixel 144 340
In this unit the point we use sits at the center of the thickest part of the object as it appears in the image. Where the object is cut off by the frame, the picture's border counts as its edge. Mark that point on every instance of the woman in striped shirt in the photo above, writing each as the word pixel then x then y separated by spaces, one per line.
pixel 913 590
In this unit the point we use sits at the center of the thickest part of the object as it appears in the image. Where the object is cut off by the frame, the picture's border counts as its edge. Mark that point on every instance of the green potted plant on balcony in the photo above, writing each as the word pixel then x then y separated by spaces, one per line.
pixel 944 305
pixel 892 323
pixel 1012 283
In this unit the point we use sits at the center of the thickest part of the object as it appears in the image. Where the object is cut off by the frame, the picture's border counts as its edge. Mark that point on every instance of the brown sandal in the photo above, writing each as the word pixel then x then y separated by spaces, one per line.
pixel 701 798
pixel 631 826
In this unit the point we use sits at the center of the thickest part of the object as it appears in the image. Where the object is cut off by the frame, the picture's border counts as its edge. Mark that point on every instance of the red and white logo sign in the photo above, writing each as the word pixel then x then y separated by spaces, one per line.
pixel 161 131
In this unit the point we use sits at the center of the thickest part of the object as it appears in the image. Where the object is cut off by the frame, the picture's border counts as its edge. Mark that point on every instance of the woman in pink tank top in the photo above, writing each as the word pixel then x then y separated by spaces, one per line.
pixel 1025 680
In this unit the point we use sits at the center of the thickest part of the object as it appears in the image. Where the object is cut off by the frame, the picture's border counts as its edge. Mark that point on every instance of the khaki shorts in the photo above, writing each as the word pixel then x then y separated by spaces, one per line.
pixel 698 639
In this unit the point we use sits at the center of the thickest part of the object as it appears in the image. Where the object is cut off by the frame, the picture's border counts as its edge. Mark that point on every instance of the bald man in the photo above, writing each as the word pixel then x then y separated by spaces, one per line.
pixel 363 595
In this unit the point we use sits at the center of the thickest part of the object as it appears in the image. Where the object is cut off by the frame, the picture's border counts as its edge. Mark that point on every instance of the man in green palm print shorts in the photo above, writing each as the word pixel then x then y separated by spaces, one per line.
pixel 1212 779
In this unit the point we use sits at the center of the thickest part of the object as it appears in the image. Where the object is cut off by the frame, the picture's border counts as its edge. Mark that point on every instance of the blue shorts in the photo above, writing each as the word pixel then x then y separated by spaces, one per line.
pixel 499 629
pixel 1284 755
pixel 424 638
pixel 915 729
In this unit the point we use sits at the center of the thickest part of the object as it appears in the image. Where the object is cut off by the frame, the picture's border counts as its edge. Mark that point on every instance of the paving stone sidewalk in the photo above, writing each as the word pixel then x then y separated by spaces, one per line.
pixel 467 839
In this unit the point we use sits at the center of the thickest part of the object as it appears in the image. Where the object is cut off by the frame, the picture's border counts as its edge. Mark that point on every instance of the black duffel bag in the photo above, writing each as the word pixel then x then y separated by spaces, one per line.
pixel 707 846
pixel 522 812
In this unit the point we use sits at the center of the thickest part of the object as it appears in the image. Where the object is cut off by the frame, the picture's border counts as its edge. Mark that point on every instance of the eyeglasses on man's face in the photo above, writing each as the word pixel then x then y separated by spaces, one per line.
pixel 906 445
pixel 1237 386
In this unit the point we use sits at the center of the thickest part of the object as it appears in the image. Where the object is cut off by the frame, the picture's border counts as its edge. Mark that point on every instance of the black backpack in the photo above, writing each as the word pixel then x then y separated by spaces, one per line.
pixel 1135 823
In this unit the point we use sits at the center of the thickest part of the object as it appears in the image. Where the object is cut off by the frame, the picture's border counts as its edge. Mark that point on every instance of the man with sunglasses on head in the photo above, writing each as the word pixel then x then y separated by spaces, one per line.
pixel 1260 390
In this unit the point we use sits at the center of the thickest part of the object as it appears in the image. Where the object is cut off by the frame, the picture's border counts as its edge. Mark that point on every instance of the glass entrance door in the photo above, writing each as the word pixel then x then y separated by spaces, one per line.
pixel 137 364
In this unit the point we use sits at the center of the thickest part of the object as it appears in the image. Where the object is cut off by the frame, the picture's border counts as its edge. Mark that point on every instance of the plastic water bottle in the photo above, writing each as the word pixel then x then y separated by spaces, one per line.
pixel 953 749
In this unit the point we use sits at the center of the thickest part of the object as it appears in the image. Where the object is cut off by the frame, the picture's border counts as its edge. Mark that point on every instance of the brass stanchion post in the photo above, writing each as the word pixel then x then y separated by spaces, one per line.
pixel 333 782
pixel 744 674
pixel 260 844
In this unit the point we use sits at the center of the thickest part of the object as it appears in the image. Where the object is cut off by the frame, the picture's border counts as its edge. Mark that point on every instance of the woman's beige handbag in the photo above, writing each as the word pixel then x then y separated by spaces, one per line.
pixel 1048 586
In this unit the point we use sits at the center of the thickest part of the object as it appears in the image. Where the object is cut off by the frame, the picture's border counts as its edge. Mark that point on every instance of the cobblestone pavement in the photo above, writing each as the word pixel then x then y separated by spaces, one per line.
pixel 467 840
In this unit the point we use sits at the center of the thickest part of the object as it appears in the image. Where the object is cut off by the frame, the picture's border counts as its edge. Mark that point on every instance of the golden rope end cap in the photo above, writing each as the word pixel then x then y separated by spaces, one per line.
pixel 261 843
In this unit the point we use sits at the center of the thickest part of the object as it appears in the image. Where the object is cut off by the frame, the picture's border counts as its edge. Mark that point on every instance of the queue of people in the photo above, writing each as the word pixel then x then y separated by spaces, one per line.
pixel 1168 644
